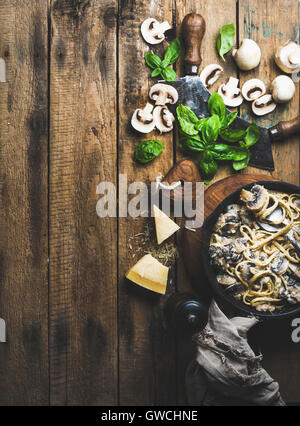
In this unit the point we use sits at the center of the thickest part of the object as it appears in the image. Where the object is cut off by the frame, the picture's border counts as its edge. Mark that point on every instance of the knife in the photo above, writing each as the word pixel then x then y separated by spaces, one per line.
pixel 193 93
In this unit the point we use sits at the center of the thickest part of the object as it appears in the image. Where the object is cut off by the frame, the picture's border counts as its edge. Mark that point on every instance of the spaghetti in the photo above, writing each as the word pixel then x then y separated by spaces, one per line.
pixel 254 249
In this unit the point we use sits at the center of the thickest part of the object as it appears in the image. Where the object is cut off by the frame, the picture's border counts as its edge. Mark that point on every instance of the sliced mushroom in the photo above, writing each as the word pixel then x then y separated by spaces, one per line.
pixel 226 280
pixel 253 89
pixel 153 31
pixel 228 224
pixel 274 222
pixel 264 105
pixel 142 119
pixel 163 119
pixel 265 307
pixel 231 93
pixel 211 74
pixel 287 57
pixel 248 56
pixel 247 270
pixel 233 208
pixel 283 89
pixel 295 270
pixel 255 199
pixel 163 94
pixel 280 265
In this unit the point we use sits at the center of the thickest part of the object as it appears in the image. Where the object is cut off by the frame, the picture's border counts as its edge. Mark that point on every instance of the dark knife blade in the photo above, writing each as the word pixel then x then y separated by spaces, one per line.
pixel 192 93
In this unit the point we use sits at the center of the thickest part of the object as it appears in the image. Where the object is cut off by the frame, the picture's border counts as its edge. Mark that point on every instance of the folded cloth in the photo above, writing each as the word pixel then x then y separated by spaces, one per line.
pixel 226 370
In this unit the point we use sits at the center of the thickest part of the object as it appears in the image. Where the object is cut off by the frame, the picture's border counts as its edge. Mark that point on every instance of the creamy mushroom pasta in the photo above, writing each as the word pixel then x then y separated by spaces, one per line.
pixel 255 249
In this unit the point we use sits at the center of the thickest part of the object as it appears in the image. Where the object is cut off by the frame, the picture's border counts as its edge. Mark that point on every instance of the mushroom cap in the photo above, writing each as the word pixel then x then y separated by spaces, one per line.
pixel 163 94
pixel 263 105
pixel 283 89
pixel 153 31
pixel 163 119
pixel 287 57
pixel 256 199
pixel 253 89
pixel 231 93
pixel 248 56
pixel 211 74
pixel 142 119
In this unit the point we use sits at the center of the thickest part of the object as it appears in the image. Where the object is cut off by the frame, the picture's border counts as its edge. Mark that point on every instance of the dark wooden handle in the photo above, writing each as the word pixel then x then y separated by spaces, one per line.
pixel 184 171
pixel 193 30
pixel 285 129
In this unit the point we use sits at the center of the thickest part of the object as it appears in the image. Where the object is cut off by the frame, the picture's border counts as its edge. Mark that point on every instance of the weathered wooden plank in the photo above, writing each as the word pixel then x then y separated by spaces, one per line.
pixel 271 23
pixel 215 17
pixel 23 201
pixel 147 351
pixel 83 247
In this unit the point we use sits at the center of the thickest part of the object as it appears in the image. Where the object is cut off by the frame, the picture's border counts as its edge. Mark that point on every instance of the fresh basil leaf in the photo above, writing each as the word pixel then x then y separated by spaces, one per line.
pixel 168 74
pixel 188 144
pixel 252 135
pixel 240 165
pixel 147 151
pixel 229 119
pixel 210 129
pixel 152 60
pixel 226 40
pixel 207 166
pixel 232 135
pixel 200 124
pixel 187 120
pixel 156 72
pixel 216 106
pixel 172 53
pixel 226 152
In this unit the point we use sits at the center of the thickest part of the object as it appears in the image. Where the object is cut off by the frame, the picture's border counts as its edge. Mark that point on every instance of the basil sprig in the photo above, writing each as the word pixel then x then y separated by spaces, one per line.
pixel 147 151
pixel 161 67
pixel 212 138
pixel 225 40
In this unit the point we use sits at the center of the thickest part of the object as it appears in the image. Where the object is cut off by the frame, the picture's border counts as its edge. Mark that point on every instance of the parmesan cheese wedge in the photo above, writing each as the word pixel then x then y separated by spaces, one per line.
pixel 165 227
pixel 149 273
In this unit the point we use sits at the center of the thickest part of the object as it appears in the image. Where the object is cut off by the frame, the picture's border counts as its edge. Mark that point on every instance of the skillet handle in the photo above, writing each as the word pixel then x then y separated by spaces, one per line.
pixel 285 129
pixel 193 29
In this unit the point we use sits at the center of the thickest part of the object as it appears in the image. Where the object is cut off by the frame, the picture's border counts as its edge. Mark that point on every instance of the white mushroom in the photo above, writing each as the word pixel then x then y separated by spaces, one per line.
pixel 163 119
pixel 263 105
pixel 287 57
pixel 153 31
pixel 231 93
pixel 283 89
pixel 211 74
pixel 163 94
pixel 142 119
pixel 253 89
pixel 248 56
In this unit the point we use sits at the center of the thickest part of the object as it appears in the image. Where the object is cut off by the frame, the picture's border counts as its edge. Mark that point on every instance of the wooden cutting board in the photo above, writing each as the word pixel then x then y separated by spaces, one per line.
pixel 190 242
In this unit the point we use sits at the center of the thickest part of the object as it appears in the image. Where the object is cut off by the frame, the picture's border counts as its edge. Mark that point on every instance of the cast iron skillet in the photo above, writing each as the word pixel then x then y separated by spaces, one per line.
pixel 219 292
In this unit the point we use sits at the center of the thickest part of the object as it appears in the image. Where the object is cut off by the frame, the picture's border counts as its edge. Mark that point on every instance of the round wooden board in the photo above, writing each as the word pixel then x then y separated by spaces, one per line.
pixel 191 241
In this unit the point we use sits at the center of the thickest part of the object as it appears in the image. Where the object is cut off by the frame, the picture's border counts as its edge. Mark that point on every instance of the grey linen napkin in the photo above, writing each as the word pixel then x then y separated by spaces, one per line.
pixel 226 370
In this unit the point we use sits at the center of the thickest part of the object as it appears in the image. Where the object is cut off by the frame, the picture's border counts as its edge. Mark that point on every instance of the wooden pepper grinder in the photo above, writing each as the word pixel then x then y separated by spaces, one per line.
pixel 193 29
pixel 185 313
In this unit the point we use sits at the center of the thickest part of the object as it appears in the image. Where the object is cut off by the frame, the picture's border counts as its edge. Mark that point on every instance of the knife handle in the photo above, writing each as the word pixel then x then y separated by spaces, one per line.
pixel 285 129
pixel 193 30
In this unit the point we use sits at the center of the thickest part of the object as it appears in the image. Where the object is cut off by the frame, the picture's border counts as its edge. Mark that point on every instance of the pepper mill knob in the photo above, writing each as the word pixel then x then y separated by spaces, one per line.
pixel 185 313
pixel 193 29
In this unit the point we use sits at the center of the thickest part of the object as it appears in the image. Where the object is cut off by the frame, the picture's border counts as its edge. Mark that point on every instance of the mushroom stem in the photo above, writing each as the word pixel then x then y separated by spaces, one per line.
pixel 164 26
pixel 148 109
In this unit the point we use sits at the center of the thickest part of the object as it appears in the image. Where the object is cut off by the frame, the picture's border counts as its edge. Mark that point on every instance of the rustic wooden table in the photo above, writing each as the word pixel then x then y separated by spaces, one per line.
pixel 77 333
